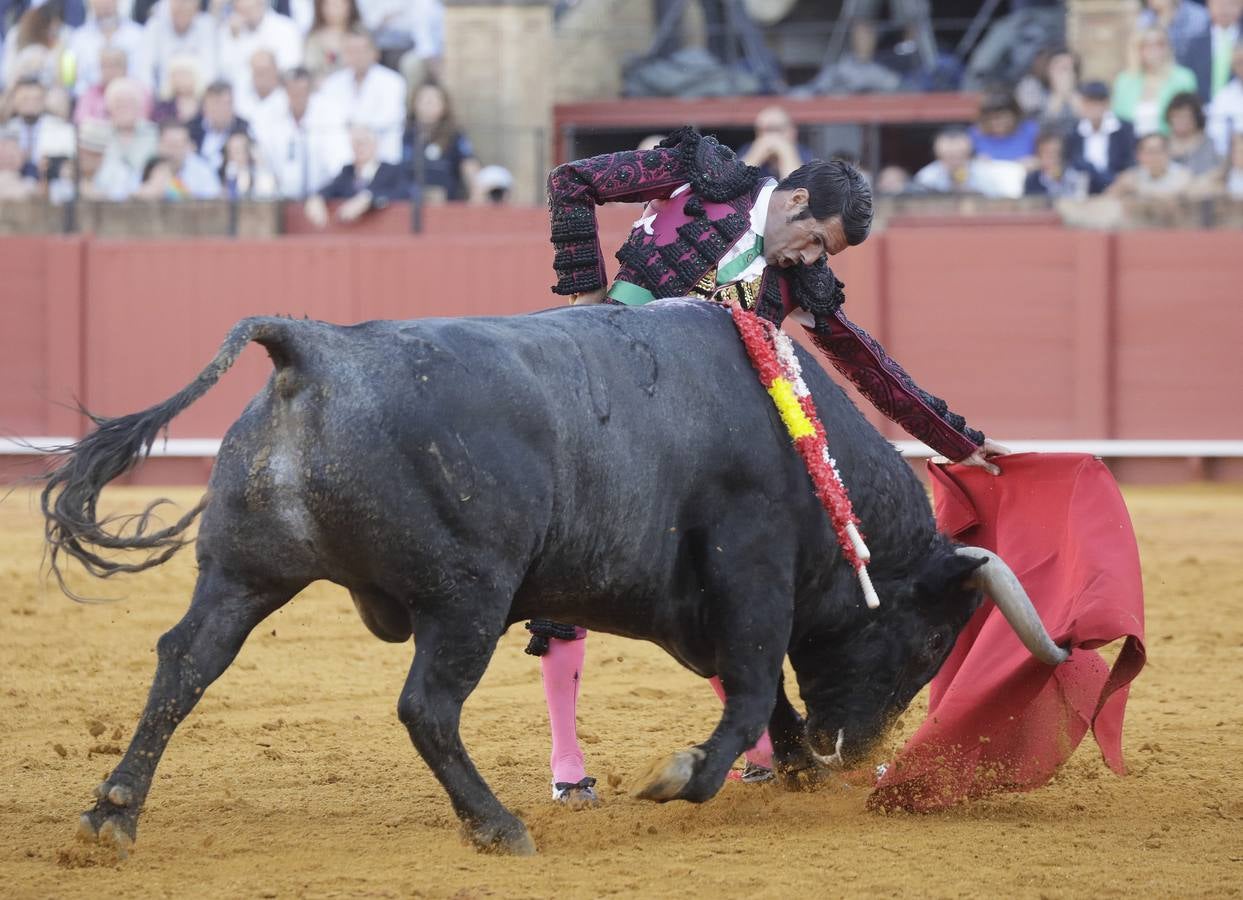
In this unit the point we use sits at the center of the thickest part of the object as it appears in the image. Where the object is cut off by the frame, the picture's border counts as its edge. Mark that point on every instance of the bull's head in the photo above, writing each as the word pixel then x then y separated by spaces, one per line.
pixel 857 680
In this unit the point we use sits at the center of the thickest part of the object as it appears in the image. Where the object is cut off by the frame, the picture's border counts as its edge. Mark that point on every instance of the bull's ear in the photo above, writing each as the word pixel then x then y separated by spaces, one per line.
pixel 947 575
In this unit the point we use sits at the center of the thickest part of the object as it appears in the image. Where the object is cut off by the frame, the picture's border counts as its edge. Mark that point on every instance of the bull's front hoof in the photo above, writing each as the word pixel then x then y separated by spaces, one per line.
pixel 114 820
pixel 511 839
pixel 666 779
pixel 109 829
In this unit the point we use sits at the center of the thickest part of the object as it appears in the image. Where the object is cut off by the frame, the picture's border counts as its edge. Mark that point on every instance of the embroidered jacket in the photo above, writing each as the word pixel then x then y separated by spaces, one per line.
pixel 676 253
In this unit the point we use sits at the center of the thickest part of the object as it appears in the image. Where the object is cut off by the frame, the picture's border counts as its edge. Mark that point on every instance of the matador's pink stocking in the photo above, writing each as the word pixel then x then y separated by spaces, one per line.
pixel 562 668
pixel 762 753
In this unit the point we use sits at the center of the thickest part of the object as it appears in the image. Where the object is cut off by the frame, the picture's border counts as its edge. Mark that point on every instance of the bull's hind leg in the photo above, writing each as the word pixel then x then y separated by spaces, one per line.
pixel 191 656
pixel 751 620
pixel 453 644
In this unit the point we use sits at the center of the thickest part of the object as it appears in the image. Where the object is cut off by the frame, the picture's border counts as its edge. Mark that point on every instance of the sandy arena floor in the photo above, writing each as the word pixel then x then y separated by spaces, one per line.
pixel 294 778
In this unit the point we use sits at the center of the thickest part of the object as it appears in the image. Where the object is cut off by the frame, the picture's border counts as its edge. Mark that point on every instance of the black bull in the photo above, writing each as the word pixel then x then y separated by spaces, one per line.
pixel 620 469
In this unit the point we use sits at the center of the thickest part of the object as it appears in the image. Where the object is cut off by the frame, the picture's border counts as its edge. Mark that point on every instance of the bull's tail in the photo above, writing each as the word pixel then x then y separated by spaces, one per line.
pixel 72 489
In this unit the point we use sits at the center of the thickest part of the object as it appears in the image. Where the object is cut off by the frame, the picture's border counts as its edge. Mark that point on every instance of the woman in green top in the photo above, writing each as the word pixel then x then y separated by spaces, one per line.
pixel 1142 91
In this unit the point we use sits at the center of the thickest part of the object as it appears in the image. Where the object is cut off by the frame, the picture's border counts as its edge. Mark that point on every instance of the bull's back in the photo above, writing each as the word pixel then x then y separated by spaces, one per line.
pixel 574 439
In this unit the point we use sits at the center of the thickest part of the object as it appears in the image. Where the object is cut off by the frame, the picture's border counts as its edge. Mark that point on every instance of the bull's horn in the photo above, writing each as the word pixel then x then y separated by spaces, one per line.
pixel 996 579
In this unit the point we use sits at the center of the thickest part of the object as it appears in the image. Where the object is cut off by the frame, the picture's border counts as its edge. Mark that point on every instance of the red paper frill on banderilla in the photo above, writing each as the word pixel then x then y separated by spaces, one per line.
pixel 998 719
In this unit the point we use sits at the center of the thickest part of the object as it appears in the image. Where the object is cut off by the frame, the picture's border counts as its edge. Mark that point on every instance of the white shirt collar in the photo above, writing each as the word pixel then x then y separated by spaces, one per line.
pixel 1109 124
pixel 759 212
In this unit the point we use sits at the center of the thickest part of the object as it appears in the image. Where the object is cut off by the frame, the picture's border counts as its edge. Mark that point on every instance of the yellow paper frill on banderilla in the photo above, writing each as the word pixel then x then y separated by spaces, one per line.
pixel 796 421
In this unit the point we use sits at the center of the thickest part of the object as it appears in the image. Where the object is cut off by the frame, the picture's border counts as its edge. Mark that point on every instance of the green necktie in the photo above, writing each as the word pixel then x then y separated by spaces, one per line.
pixel 1221 66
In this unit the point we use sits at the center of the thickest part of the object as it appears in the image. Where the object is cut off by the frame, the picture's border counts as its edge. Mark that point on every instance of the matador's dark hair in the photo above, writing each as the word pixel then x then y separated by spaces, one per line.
pixel 834 188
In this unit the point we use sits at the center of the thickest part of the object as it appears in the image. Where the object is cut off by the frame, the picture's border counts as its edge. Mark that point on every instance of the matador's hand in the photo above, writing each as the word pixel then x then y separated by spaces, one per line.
pixel 982 454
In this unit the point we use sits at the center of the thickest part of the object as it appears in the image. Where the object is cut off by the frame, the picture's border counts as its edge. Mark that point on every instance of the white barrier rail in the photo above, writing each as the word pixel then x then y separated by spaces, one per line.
pixel 198 448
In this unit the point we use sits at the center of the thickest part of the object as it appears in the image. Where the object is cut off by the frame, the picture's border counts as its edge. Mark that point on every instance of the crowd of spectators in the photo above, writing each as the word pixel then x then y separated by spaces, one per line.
pixel 241 99
pixel 1170 124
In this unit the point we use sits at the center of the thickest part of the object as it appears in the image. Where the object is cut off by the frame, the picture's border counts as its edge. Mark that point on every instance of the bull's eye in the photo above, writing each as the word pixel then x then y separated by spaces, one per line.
pixel 936 642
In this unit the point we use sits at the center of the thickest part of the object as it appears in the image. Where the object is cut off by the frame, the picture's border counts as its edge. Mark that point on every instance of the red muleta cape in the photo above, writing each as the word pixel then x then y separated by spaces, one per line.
pixel 999 720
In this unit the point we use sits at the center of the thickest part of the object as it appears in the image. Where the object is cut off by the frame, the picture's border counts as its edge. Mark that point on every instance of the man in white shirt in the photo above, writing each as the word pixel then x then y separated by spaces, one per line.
pixel 1209 54
pixel 400 25
pixel 306 145
pixel 265 98
pixel 253 25
pixel 194 172
pixel 210 129
pixel 956 170
pixel 104 27
pixel 1100 145
pixel 1225 113
pixel 41 135
pixel 365 93
pixel 178 28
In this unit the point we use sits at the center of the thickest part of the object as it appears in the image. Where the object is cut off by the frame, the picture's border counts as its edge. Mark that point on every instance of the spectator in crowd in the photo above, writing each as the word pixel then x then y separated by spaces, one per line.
pixel 1189 145
pixel 365 93
pixel 181 31
pixel 305 146
pixel 183 92
pixel 334 19
pixel 106 27
pixel 651 142
pixel 1100 145
pixel 775 150
pixel 212 127
pixel 1227 181
pixel 1031 91
pixel 1181 20
pixel 113 64
pixel 99 178
pixel 1155 175
pixel 1001 132
pixel 264 98
pixel 448 166
pixel 243 175
pixel 408 33
pixel 493 184
pixel 251 26
pixel 41 133
pixel 301 11
pixel 892 181
pixel 134 138
pixel 19 179
pixel 956 170
pixel 33 46
pixel 1049 93
pixel 364 184
pixel 1143 90
pixel 193 173
pixel 1210 53
pixel 1225 113
pixel 159 182
pixel 1052 177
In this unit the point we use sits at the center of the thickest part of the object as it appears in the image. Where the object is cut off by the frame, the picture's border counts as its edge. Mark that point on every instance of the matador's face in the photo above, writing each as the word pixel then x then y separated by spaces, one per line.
pixel 790 240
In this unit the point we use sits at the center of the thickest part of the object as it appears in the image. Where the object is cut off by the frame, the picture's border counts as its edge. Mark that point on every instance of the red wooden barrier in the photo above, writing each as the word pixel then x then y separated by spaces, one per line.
pixel 1030 331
